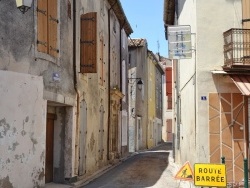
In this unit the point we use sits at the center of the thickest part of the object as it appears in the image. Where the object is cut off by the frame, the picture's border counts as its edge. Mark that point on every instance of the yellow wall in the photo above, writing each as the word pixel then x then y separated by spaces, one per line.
pixel 151 102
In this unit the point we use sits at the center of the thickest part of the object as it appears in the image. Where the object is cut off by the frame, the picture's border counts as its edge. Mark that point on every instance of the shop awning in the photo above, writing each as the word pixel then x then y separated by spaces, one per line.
pixel 242 82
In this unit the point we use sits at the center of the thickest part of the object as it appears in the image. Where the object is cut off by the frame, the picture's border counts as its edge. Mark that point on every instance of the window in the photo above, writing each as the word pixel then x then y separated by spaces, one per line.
pixel 47 25
pixel 88 51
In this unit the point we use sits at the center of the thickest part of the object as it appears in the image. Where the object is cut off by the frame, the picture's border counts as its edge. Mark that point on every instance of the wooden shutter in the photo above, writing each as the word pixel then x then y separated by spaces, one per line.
pixel 88 43
pixel 52 27
pixel 168 73
pixel 101 66
pixel 42 29
pixel 246 14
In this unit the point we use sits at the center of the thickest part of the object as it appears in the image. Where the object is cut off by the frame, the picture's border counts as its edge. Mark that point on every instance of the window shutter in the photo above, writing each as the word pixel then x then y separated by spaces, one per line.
pixel 88 43
pixel 168 73
pixel 101 61
pixel 246 13
pixel 42 19
pixel 52 24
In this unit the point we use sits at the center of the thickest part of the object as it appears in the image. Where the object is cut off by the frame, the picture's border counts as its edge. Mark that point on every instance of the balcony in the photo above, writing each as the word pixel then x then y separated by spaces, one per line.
pixel 237 49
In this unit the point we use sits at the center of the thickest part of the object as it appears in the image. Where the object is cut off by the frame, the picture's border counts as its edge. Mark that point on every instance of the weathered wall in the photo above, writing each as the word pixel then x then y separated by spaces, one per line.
pixel 131 109
pixel 138 98
pixel 151 103
pixel 18 47
pixel 22 130
pixel 124 88
pixel 90 88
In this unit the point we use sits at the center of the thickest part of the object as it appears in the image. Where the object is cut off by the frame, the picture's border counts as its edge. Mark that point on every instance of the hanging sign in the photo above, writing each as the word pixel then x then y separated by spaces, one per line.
pixel 179 42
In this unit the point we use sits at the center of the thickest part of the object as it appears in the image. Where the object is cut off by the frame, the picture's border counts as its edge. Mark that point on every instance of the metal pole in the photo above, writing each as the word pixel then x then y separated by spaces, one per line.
pixel 245 173
pixel 223 160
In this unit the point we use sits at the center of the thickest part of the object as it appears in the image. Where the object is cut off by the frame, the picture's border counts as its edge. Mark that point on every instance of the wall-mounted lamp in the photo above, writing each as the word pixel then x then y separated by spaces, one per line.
pixel 139 83
pixel 23 5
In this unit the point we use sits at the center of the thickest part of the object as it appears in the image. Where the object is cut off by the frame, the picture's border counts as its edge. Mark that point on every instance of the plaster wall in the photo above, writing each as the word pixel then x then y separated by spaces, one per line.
pixel 18 49
pixel 196 79
pixel 131 110
pixel 210 41
pixel 22 130
pixel 151 103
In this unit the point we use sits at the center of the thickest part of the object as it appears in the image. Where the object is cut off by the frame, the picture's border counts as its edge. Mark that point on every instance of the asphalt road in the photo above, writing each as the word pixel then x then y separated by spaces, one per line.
pixel 146 169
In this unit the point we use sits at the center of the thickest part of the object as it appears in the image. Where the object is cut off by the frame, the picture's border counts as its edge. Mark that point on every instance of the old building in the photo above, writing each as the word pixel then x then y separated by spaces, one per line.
pixel 137 92
pixel 100 90
pixel 61 114
pixel 167 99
pixel 145 96
pixel 154 100
pixel 212 87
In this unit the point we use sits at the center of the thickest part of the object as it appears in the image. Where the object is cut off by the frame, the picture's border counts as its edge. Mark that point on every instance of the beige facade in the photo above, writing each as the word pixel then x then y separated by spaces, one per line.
pixel 210 103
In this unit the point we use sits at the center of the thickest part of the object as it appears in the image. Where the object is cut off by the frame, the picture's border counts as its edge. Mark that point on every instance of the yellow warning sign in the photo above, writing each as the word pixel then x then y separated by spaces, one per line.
pixel 185 172
pixel 210 175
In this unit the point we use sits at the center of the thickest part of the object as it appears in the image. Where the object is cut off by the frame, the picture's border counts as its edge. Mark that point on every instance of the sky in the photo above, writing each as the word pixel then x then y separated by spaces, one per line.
pixel 146 20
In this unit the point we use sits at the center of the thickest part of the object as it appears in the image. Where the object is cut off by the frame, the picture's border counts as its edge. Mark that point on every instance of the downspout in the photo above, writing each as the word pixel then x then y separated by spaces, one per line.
pixel 177 87
pixel 121 59
pixel 109 102
pixel 75 87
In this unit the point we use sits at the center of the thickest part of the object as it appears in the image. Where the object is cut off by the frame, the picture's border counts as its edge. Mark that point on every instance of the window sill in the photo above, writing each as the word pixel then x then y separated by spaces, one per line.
pixel 46 57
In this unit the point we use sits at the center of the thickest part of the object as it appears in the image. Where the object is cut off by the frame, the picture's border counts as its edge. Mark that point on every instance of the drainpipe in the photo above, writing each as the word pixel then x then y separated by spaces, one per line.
pixel 246 130
pixel 121 59
pixel 75 87
pixel 121 80
pixel 177 88
pixel 109 102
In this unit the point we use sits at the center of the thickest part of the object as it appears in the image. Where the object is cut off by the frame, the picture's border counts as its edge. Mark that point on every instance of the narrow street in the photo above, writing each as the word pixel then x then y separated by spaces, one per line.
pixel 145 169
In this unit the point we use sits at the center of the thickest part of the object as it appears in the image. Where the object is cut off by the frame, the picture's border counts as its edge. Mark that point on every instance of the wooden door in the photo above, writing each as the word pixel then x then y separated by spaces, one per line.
pixel 169 130
pixel 138 134
pixel 49 148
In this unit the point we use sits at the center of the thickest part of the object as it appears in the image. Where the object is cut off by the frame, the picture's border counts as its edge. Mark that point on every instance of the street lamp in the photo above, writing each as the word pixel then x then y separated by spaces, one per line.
pixel 23 5
pixel 139 82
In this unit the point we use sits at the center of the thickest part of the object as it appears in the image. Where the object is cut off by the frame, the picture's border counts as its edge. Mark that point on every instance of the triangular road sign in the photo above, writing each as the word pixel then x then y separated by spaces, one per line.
pixel 185 173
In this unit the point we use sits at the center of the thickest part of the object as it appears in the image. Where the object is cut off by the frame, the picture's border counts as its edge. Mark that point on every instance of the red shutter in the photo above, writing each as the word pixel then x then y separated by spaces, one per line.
pixel 168 73
pixel 52 27
pixel 88 43
pixel 42 23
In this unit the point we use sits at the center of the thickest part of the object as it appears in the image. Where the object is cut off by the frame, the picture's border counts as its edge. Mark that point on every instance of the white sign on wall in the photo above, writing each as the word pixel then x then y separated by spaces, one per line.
pixel 179 42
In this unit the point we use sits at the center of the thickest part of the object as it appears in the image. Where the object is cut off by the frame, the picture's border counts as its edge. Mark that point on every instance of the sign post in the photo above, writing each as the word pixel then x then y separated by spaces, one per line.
pixel 210 175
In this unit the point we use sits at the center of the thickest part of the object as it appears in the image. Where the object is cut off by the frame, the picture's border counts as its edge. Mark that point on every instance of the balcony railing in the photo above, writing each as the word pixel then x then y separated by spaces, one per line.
pixel 237 47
